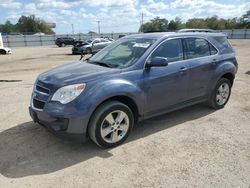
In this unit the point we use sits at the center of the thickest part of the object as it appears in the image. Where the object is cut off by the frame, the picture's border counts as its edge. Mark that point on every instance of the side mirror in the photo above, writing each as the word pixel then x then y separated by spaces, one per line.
pixel 157 62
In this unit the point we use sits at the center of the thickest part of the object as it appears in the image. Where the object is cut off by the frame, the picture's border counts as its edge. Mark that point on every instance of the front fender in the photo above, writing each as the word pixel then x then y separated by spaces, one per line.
pixel 102 91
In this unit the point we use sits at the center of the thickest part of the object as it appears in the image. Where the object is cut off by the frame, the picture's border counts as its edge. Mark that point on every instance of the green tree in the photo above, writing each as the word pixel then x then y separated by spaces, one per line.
pixel 26 24
pixel 196 23
pixel 32 24
pixel 175 24
pixel 7 27
pixel 155 25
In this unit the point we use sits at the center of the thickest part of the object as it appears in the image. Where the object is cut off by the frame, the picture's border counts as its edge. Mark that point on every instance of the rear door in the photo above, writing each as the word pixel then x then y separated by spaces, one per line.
pixel 201 57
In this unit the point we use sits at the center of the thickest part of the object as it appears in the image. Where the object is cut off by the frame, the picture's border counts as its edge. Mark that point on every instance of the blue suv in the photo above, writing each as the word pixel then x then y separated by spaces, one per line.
pixel 135 78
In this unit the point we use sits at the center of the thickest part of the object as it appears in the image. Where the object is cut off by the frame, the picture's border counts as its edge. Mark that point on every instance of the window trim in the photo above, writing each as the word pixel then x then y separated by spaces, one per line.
pixel 180 38
pixel 184 46
pixel 208 42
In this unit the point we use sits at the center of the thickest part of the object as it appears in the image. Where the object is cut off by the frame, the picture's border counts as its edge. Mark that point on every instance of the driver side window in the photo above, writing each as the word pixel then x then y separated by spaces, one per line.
pixel 171 49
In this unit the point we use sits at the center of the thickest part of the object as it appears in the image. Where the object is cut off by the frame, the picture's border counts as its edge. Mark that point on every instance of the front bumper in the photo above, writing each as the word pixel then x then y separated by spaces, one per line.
pixel 64 127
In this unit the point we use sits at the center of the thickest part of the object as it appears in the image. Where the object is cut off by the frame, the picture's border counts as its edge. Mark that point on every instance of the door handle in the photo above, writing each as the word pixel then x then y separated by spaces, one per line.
pixel 183 70
pixel 214 62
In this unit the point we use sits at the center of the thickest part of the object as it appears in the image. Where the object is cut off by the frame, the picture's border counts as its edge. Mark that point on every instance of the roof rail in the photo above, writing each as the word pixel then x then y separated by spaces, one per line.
pixel 197 30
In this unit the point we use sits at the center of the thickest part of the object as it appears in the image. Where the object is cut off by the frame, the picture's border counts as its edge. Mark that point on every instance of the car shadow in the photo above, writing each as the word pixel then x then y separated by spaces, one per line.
pixel 29 149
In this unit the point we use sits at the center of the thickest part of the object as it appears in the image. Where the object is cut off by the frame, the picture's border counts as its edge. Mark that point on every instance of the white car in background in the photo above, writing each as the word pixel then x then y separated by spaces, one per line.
pixel 90 46
pixel 4 50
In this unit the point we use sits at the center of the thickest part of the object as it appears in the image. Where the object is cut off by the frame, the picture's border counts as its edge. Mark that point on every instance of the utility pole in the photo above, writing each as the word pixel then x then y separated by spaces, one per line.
pixel 141 22
pixel 99 30
pixel 142 18
pixel 72 25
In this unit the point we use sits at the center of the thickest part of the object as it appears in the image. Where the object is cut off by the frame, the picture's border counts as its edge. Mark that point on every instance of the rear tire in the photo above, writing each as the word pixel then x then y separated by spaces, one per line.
pixel 111 124
pixel 3 52
pixel 220 94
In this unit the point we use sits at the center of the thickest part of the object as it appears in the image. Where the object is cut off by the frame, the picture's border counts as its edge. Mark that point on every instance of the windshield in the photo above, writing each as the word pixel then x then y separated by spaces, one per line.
pixel 89 41
pixel 80 43
pixel 122 53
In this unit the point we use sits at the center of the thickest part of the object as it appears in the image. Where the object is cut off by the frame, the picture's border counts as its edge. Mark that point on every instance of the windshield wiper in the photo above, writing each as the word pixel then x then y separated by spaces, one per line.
pixel 102 64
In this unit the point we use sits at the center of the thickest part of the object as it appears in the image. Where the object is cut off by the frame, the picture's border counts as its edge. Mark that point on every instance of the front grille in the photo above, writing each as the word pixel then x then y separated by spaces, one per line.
pixel 38 104
pixel 42 89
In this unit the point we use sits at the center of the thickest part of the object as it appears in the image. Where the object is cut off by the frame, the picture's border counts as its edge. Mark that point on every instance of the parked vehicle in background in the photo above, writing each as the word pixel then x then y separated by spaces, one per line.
pixel 39 33
pixel 4 50
pixel 135 78
pixel 90 46
pixel 64 41
pixel 120 36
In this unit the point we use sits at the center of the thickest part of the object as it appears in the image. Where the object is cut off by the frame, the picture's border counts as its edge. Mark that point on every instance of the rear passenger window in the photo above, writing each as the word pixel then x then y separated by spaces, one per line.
pixel 223 44
pixel 171 49
pixel 197 47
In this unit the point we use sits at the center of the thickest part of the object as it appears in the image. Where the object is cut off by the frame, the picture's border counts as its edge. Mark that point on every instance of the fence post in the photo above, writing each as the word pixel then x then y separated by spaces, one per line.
pixel 245 34
pixel 41 42
pixel 232 34
pixel 8 42
pixel 25 41
pixel 54 38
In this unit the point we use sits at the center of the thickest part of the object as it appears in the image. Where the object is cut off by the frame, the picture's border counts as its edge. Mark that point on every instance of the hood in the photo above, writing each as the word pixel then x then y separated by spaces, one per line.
pixel 77 72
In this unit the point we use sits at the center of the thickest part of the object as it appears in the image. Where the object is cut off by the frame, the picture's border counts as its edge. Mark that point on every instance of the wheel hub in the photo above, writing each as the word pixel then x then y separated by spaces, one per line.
pixel 222 94
pixel 115 126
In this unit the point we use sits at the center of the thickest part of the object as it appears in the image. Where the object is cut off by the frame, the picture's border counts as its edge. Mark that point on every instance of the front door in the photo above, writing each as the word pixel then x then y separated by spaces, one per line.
pixel 166 86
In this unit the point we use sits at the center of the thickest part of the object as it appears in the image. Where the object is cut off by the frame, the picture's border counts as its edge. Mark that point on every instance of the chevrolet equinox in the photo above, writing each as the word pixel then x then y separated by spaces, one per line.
pixel 137 77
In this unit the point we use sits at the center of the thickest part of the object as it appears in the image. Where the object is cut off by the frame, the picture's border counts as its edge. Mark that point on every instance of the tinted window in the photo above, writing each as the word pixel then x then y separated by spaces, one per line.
pixel 223 44
pixel 171 49
pixel 197 47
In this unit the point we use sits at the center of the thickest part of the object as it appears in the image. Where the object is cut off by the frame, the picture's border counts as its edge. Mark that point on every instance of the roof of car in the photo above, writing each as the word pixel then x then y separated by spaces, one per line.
pixel 159 35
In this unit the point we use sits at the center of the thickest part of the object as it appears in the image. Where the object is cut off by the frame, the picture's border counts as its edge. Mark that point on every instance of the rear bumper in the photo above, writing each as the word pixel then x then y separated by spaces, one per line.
pixel 63 127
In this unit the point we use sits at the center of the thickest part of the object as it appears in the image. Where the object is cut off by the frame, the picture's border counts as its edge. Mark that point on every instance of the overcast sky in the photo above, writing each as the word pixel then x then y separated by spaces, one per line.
pixel 116 15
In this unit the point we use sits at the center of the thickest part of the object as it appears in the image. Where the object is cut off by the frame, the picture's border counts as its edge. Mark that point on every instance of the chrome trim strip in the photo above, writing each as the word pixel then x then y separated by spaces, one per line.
pixel 43 88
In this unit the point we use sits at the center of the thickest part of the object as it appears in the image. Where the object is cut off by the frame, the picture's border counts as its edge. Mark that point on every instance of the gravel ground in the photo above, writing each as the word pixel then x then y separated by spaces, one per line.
pixel 193 147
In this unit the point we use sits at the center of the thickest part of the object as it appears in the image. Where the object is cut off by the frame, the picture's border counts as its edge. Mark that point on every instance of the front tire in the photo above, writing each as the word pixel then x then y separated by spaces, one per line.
pixel 221 94
pixel 111 124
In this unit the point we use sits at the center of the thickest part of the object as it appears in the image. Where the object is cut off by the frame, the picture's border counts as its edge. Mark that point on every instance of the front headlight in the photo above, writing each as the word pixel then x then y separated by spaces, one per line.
pixel 68 93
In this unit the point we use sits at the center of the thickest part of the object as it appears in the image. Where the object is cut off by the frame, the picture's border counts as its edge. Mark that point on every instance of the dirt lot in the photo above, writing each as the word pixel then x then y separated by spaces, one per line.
pixel 193 147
